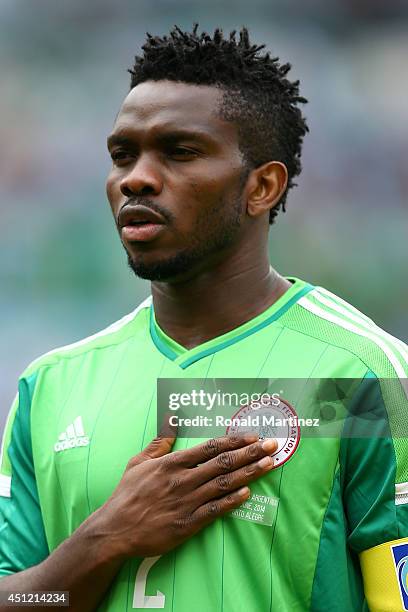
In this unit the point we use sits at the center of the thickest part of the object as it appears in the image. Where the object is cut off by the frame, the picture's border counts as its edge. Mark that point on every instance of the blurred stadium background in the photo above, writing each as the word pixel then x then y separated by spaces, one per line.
pixel 63 272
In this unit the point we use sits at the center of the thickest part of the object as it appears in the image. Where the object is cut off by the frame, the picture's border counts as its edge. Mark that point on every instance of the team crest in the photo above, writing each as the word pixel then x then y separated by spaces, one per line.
pixel 273 418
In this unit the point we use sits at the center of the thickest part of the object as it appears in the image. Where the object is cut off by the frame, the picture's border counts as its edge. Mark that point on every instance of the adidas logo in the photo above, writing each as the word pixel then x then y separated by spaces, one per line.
pixel 72 437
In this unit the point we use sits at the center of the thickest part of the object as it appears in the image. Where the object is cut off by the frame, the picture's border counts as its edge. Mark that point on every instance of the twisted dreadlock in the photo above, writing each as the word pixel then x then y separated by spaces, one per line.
pixel 257 95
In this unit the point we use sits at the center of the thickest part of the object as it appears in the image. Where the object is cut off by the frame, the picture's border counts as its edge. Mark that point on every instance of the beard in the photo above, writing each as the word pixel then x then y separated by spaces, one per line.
pixel 213 232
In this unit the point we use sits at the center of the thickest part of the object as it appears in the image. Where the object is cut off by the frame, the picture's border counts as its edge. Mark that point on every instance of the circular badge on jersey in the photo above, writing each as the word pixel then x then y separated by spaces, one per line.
pixel 273 418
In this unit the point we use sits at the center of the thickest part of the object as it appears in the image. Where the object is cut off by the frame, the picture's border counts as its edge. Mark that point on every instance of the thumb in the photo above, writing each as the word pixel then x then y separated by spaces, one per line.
pixel 157 448
pixel 161 445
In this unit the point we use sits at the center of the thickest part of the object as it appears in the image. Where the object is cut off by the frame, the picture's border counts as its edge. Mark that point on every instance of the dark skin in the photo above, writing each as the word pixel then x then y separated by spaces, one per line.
pixel 196 180
pixel 162 499
pixel 187 175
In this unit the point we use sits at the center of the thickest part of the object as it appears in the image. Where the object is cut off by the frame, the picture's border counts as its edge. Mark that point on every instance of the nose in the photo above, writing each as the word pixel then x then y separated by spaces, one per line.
pixel 143 178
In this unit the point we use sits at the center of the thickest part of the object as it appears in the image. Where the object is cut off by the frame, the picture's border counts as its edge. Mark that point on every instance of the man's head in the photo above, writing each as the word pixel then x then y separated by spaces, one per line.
pixel 210 138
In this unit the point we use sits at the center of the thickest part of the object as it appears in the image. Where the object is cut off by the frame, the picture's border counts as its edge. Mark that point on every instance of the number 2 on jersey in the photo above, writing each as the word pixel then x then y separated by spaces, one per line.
pixel 140 599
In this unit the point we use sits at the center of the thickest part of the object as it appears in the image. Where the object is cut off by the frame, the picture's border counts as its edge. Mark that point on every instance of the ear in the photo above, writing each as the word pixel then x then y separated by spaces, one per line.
pixel 265 186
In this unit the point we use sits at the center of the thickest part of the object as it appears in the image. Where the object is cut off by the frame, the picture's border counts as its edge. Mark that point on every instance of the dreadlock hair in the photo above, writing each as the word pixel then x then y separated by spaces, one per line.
pixel 257 95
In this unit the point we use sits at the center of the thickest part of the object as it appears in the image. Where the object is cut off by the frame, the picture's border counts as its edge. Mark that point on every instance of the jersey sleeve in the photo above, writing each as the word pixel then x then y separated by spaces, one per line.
pixel 22 536
pixel 374 463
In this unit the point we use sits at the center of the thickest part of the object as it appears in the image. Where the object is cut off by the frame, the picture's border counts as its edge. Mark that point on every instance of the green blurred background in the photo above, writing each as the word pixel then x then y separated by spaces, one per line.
pixel 63 65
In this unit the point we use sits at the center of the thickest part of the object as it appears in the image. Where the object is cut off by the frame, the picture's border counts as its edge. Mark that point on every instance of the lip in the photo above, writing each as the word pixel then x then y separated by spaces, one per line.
pixel 139 223
pixel 138 214
pixel 141 233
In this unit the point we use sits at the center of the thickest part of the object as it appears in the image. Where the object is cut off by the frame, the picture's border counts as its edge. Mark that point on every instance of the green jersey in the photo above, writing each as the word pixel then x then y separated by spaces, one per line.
pixel 84 410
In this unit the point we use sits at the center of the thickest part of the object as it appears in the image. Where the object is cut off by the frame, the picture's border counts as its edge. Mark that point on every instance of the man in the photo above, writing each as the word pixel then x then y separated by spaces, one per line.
pixel 205 148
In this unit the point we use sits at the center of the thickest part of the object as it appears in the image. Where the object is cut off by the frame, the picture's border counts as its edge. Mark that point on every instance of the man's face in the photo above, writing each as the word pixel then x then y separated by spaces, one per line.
pixel 176 183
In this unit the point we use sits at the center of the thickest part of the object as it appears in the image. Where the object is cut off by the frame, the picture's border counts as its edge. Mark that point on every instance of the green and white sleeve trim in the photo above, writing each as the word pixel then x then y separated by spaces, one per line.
pixel 401 493
pixel 5 486
pixel 393 349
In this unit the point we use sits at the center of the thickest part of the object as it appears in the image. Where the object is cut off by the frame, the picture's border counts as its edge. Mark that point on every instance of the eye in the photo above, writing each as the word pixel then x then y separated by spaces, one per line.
pixel 120 157
pixel 182 153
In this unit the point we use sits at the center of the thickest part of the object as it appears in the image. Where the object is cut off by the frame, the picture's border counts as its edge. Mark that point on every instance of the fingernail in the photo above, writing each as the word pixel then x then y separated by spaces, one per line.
pixel 265 462
pixel 268 445
pixel 244 492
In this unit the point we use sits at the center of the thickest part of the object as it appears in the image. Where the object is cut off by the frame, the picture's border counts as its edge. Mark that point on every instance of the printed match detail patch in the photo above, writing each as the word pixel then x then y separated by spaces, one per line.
pixel 259 509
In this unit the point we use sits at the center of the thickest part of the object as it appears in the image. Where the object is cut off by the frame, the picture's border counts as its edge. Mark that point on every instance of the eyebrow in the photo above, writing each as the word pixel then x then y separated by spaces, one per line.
pixel 115 139
pixel 166 137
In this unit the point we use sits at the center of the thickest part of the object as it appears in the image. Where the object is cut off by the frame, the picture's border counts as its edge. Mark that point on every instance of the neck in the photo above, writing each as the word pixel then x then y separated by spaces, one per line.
pixel 216 301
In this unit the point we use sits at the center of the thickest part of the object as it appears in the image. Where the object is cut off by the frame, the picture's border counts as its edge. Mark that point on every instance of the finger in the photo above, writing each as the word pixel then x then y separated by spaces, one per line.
pixel 232 481
pixel 229 461
pixel 159 446
pixel 166 429
pixel 208 512
pixel 201 453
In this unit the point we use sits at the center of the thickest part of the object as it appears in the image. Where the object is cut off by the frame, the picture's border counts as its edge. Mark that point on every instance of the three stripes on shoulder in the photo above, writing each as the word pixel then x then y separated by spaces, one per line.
pixel 328 306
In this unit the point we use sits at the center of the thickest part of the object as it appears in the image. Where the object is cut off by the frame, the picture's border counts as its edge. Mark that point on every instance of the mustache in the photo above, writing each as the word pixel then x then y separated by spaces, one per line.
pixel 143 201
